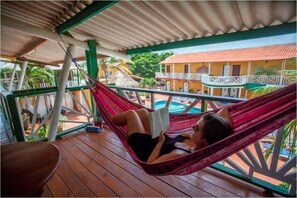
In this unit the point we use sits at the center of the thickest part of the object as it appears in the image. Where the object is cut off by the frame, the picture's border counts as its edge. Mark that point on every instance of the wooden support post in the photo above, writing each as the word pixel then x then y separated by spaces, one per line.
pixel 22 75
pixel 12 78
pixel 60 95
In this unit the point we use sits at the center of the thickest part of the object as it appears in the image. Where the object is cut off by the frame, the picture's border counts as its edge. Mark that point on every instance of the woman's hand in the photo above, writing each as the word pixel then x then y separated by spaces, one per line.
pixel 162 137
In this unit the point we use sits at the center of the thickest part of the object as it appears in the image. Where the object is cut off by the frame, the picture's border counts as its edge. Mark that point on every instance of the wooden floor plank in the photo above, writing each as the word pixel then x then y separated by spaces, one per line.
pixel 77 187
pixel 102 158
pixel 202 184
pixel 115 184
pixel 189 189
pixel 228 190
pixel 93 183
pixel 171 180
pixel 137 172
pixel 58 188
pixel 46 192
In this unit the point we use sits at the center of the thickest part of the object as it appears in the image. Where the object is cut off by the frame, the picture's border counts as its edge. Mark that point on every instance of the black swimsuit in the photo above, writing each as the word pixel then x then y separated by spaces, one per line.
pixel 143 144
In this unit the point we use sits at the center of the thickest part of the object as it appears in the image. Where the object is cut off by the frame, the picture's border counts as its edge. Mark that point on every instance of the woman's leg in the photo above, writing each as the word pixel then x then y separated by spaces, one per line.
pixel 143 115
pixel 132 120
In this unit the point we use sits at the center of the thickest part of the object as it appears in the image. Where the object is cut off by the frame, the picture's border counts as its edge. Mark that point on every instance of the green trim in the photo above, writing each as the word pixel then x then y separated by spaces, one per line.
pixel 91 57
pixel 92 66
pixel 39 91
pixel 255 181
pixel 90 11
pixel 61 133
pixel 17 126
pixel 254 86
pixel 286 28
pixel 223 86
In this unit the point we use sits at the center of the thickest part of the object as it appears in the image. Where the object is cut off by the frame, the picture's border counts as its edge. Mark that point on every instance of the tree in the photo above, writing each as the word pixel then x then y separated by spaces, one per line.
pixel 147 64
pixel 148 82
pixel 269 71
pixel 34 76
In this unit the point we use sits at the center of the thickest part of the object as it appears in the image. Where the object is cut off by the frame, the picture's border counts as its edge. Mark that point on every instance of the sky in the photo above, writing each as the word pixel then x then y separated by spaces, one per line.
pixel 275 40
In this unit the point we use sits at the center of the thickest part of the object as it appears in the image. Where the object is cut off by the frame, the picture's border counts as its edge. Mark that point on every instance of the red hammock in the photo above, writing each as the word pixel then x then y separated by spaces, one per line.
pixel 252 120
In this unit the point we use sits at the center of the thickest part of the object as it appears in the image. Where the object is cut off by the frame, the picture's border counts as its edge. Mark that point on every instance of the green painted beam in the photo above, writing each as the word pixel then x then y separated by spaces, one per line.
pixel 277 30
pixel 90 11
pixel 91 58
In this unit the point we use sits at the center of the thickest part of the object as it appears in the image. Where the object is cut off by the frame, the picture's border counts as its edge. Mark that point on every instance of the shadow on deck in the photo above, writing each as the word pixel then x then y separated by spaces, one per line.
pixel 98 165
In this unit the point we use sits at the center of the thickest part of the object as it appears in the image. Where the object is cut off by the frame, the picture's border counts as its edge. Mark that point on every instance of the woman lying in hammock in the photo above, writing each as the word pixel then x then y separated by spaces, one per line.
pixel 209 129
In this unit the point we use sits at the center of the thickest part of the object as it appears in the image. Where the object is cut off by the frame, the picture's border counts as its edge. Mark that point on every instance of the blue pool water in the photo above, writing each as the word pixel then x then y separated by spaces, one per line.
pixel 175 107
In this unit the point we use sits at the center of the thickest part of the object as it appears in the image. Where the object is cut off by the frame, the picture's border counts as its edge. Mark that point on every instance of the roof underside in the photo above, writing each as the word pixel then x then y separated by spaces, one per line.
pixel 276 52
pixel 135 25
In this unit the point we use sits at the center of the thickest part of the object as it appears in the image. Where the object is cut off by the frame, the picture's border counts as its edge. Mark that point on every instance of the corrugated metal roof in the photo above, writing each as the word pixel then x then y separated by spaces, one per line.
pixel 134 24
pixel 275 52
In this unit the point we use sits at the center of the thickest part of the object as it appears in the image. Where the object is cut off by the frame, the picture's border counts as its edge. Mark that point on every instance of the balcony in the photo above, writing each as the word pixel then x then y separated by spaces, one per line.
pixel 101 158
pixel 102 167
pixel 229 80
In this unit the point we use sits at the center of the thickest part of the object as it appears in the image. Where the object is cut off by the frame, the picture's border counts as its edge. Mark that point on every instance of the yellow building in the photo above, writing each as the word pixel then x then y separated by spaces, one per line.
pixel 227 72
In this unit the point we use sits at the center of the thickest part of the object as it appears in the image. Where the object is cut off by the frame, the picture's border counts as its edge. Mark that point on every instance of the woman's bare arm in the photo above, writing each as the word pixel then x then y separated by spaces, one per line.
pixel 156 152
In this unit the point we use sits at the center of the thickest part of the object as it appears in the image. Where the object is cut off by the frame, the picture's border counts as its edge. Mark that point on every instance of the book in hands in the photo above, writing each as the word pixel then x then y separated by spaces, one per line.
pixel 159 121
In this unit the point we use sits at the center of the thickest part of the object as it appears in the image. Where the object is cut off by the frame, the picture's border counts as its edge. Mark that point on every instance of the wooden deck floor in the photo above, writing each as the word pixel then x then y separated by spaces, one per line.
pixel 98 165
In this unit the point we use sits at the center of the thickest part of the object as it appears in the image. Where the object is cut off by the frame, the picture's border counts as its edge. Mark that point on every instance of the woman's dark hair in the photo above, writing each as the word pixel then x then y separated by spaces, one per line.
pixel 215 128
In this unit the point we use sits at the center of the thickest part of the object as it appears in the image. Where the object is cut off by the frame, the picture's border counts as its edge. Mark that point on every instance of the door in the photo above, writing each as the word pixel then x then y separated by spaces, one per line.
pixel 236 74
pixel 186 70
pixel 168 85
pixel 236 70
pixel 186 87
pixel 226 71
pixel 167 68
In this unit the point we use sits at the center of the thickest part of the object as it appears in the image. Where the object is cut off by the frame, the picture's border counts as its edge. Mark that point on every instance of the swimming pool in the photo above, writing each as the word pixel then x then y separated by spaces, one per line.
pixel 175 107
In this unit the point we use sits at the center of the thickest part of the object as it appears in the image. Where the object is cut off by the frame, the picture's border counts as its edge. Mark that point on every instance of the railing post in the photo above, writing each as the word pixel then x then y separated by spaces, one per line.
pixel 22 75
pixel 52 132
pixel 17 125
pixel 152 101
pixel 203 102
pixel 12 77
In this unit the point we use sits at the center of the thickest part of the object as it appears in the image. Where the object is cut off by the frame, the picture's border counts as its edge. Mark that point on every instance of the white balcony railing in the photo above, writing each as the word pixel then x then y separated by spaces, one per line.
pixel 224 80
pixel 229 80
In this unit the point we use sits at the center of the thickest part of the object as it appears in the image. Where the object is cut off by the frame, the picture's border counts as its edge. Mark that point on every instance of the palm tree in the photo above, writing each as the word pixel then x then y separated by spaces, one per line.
pixel 290 130
pixel 269 71
pixel 35 76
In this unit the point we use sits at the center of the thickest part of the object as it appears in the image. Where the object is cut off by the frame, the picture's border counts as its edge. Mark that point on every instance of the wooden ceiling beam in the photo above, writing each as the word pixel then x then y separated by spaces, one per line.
pixel 32 45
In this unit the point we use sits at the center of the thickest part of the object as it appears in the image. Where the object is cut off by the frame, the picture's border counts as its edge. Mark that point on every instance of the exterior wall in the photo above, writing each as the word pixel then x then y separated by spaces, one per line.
pixel 217 70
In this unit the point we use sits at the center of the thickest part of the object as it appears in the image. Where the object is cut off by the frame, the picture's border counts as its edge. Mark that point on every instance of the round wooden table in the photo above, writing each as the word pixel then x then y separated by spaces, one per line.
pixel 26 167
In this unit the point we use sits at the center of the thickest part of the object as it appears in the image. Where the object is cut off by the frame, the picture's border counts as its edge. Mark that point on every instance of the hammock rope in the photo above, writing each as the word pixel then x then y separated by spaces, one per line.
pixel 252 120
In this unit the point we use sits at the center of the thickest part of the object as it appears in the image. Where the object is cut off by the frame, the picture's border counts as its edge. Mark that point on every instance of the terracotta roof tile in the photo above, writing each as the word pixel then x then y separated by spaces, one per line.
pixel 274 52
